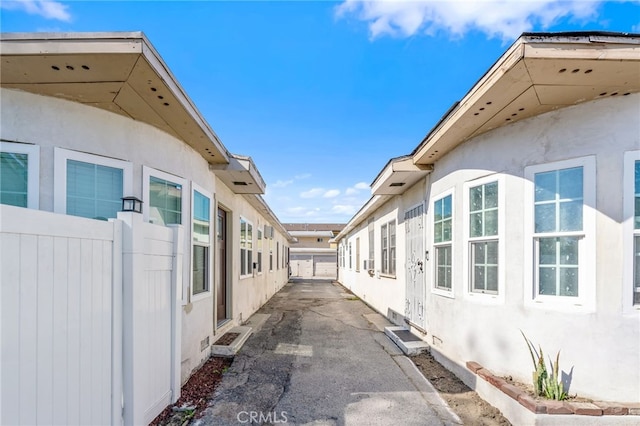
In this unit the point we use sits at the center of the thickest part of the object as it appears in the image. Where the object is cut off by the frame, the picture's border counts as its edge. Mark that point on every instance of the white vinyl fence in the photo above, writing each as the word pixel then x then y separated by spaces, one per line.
pixel 88 308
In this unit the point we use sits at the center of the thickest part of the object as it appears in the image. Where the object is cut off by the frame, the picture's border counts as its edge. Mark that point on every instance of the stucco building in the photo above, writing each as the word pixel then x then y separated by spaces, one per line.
pixel 106 313
pixel 519 211
pixel 313 254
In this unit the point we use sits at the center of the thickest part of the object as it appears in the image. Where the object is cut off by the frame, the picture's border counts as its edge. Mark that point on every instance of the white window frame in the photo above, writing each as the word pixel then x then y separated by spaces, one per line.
pixel 585 301
pixel 350 258
pixel 629 232
pixel 259 250
pixel 467 262
pixel 147 173
pixel 434 289
pixel 357 254
pixel 248 259
pixel 371 236
pixel 208 292
pixel 33 169
pixel 270 254
pixel 385 263
pixel 284 256
pixel 61 156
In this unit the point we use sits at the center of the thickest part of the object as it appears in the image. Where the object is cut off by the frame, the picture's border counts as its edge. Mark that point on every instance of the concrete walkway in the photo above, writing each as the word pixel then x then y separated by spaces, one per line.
pixel 318 356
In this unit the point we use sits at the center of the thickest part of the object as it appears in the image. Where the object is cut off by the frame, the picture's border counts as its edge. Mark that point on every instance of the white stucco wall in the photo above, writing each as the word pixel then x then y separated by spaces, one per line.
pixel 599 340
pixel 378 290
pixel 50 122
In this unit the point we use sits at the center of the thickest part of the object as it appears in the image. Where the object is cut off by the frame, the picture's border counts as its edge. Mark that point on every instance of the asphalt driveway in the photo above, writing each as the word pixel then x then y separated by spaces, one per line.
pixel 318 356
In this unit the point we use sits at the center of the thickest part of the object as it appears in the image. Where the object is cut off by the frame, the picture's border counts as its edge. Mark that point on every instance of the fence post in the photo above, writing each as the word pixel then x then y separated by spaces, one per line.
pixel 116 326
pixel 176 311
pixel 132 280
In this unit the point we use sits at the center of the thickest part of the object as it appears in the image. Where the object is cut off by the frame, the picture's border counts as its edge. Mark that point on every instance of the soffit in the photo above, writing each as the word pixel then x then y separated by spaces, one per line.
pixel 531 79
pixel 117 72
pixel 240 175
pixel 397 176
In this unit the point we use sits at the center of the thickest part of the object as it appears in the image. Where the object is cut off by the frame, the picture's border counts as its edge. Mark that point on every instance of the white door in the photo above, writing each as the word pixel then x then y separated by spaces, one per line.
pixel 415 266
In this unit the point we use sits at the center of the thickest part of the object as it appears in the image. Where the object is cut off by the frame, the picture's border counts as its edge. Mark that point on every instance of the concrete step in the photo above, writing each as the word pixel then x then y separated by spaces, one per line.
pixel 409 343
pixel 231 349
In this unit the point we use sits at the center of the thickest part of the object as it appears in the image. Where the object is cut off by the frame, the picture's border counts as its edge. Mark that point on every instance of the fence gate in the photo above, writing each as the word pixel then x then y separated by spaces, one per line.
pixel 415 266
pixel 59 332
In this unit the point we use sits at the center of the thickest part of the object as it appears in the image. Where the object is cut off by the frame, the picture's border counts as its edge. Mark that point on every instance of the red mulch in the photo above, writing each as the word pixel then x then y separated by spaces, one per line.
pixel 196 392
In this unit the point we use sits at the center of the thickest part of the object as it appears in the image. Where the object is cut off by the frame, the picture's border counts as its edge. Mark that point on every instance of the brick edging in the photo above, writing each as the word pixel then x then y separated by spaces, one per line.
pixel 551 406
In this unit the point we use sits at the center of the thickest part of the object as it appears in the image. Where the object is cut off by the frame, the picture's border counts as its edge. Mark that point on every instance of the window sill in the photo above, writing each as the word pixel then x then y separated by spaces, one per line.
pixel 393 277
pixel 195 297
pixel 444 293
pixel 560 304
pixel 485 298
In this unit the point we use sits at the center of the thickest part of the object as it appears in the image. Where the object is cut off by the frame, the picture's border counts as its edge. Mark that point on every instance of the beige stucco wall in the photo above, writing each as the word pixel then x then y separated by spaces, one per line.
pixel 599 341
pixel 312 242
pixel 380 291
pixel 51 122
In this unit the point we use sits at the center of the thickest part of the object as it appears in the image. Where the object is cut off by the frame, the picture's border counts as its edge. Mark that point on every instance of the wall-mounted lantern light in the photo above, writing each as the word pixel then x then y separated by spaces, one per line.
pixel 131 204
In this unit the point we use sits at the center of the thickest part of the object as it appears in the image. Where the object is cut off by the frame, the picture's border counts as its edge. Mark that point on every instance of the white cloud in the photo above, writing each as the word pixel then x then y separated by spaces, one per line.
pixel 332 193
pixel 312 193
pixel 282 183
pixel 46 9
pixel 344 209
pixel 303 176
pixel 505 19
pixel 356 188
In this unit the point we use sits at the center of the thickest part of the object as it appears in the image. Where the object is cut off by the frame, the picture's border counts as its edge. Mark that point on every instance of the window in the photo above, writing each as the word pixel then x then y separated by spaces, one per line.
pixel 636 235
pixel 259 249
pixel 164 198
pixel 631 228
pixel 319 240
pixel 558 216
pixel 562 232
pixel 89 185
pixel 483 238
pixel 19 174
pixel 350 263
pixel 285 258
pixel 388 248
pixel 277 255
pixel 357 254
pixel 268 234
pixel 371 261
pixel 442 237
pixel 201 239
pixel 246 247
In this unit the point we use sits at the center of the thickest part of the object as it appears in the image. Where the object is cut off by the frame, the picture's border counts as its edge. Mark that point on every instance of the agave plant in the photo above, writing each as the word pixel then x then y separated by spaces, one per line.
pixel 550 387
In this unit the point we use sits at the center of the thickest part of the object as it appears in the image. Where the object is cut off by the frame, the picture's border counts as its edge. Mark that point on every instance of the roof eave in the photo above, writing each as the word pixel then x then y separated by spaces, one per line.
pixel 117 71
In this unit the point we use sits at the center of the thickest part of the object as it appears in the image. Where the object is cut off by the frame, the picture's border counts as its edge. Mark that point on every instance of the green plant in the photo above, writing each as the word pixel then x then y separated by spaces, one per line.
pixel 545 385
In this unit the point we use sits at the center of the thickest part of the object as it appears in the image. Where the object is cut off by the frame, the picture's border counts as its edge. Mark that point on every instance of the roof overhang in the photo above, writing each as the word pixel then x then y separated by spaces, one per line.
pixel 240 175
pixel 398 175
pixel 311 234
pixel 117 72
pixel 363 214
pixel 312 250
pixel 261 206
pixel 537 74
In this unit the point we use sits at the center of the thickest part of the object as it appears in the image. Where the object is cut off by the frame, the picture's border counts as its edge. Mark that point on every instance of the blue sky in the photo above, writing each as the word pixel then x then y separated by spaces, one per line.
pixel 322 94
